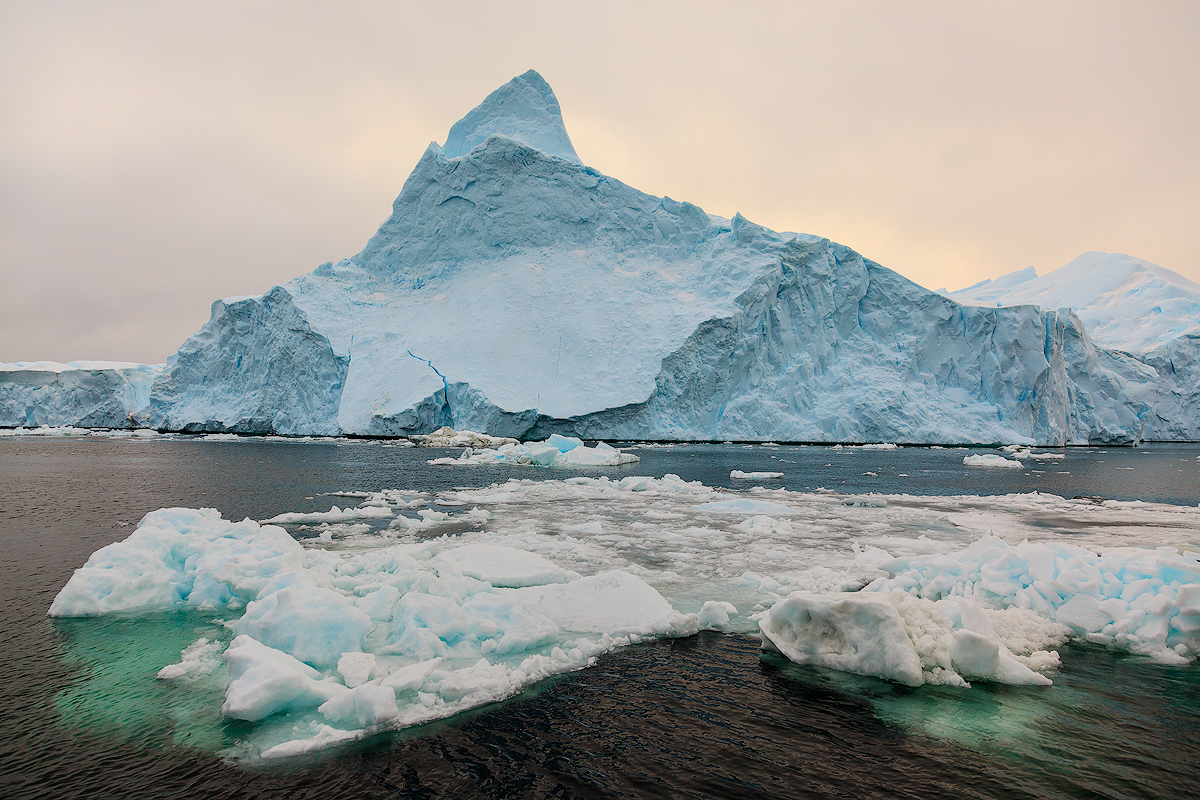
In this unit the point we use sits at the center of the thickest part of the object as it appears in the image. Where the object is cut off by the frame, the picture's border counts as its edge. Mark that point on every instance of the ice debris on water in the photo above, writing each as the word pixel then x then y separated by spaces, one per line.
pixel 377 632
pixel 557 451
pixel 754 476
pixel 991 460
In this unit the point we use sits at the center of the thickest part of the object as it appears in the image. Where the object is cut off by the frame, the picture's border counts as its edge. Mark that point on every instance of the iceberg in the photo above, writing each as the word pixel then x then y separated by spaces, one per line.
pixel 517 292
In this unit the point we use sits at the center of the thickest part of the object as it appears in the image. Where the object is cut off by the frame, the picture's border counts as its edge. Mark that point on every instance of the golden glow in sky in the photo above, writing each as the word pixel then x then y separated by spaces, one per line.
pixel 155 157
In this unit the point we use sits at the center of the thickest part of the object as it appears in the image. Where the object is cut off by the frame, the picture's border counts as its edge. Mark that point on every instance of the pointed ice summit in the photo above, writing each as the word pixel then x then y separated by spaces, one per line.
pixel 517 292
pixel 524 109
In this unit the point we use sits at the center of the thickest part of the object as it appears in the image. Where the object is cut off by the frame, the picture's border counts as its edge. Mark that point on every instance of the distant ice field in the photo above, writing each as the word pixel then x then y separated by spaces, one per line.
pixel 470 584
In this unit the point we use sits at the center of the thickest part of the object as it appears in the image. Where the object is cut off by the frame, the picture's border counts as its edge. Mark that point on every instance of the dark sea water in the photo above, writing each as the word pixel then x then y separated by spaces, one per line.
pixel 705 716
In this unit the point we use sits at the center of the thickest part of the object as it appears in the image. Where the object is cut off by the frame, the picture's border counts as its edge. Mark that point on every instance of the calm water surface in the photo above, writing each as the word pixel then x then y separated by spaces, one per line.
pixel 706 716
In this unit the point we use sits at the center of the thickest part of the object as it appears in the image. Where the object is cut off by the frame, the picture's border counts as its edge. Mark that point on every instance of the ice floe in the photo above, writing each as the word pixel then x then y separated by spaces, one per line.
pixel 334 514
pixel 991 460
pixel 46 430
pixel 395 626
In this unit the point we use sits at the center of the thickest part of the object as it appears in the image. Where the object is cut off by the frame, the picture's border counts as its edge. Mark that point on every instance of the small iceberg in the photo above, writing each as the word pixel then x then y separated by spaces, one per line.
pixel 448 437
pixel 557 451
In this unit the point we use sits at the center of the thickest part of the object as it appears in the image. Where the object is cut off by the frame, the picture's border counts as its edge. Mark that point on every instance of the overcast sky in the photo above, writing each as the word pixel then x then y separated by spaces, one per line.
pixel 157 156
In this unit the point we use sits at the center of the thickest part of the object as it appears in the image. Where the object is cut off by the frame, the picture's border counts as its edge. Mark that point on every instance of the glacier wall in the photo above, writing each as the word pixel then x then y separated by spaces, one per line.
pixel 86 394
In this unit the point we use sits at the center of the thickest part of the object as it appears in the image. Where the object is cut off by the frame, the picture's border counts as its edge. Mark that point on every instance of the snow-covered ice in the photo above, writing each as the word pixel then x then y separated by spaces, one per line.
pixel 754 476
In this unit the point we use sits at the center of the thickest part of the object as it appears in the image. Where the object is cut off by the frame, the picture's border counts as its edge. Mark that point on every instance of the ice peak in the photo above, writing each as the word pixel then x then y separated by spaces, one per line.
pixel 524 109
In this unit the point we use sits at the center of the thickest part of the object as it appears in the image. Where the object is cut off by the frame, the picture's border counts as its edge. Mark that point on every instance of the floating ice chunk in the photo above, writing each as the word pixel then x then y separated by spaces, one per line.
pixel 201 657
pixel 313 624
pixel 448 437
pixel 859 633
pixel 263 680
pixel 557 451
pixel 505 566
pixel 334 514
pixel 46 430
pixel 601 455
pixel 754 476
pixel 1022 453
pixel 356 668
pixel 428 519
pixel 990 460
pixel 1128 597
pixel 563 444
pixel 744 506
pixel 715 614
pixel 977 656
pixel 179 556
pixel 881 446
pixel 896 637
pixel 862 501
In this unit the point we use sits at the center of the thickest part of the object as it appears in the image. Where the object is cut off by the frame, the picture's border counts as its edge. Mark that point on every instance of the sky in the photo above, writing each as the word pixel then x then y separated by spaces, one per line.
pixel 157 156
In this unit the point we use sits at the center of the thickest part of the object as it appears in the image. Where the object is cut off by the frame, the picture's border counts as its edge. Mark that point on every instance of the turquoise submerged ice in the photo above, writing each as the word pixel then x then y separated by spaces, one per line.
pixel 362 628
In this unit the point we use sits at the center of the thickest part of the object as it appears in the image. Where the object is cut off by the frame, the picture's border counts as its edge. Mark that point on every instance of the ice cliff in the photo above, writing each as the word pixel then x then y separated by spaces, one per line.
pixel 91 394
pixel 518 292
pixel 1126 304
